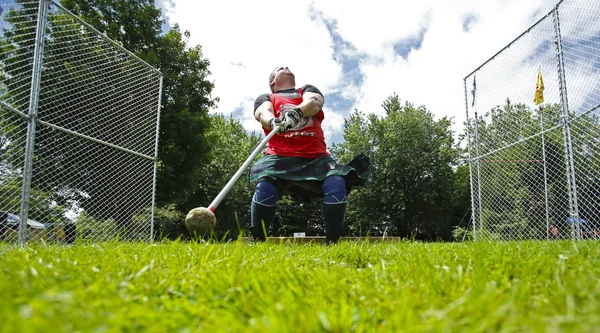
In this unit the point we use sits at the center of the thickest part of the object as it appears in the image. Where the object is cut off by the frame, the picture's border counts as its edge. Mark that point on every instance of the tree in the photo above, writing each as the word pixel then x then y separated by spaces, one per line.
pixel 512 175
pixel 461 198
pixel 294 215
pixel 16 56
pixel 360 137
pixel 412 156
pixel 184 148
pixel 187 91
pixel 230 145
pixel 136 24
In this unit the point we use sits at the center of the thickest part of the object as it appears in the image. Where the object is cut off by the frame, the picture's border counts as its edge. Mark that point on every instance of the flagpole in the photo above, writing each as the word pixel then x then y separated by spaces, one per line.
pixel 539 99
pixel 545 171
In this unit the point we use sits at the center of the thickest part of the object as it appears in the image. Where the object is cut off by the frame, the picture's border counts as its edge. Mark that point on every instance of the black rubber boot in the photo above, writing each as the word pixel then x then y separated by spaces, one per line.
pixel 262 216
pixel 334 215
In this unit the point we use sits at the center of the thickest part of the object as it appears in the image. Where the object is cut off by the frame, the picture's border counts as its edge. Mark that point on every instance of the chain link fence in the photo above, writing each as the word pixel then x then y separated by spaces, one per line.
pixel 535 166
pixel 78 130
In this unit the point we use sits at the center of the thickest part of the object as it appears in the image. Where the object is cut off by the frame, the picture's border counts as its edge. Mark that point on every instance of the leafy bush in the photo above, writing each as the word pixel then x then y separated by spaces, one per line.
pixel 460 234
pixel 169 223
pixel 90 228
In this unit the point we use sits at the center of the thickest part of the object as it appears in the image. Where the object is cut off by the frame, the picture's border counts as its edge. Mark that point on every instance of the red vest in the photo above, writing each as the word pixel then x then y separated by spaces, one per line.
pixel 304 140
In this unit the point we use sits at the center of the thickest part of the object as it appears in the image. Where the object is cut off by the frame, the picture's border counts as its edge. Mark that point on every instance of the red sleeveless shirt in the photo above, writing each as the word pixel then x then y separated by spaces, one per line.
pixel 305 139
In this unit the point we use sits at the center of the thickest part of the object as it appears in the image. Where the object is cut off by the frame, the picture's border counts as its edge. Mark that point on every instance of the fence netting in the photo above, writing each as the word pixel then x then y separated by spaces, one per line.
pixel 83 112
pixel 535 163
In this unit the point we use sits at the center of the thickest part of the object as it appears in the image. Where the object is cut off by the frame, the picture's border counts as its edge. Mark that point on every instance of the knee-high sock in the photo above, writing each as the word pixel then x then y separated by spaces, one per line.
pixel 262 209
pixel 334 207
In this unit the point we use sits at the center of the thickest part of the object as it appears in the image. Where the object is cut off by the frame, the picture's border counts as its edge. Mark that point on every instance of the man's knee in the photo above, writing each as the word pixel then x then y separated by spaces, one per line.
pixel 334 190
pixel 265 194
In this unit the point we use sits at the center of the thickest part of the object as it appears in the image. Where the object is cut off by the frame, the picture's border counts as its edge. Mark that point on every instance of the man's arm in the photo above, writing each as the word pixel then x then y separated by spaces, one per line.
pixel 311 104
pixel 313 100
pixel 264 113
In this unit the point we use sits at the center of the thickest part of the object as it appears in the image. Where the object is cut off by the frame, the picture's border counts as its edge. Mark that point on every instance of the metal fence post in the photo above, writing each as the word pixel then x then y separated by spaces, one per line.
pixel 160 87
pixel 571 179
pixel 478 157
pixel 473 218
pixel 34 95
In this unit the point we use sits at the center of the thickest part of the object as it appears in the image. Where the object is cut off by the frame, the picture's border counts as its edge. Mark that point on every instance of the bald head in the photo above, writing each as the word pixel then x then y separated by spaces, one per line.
pixel 281 78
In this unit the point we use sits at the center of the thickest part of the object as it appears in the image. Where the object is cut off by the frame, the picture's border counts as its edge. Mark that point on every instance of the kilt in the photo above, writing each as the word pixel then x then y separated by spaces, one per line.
pixel 302 177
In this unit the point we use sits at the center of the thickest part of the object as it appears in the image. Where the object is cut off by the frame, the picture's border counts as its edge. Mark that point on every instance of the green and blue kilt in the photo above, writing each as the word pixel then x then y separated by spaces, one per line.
pixel 302 177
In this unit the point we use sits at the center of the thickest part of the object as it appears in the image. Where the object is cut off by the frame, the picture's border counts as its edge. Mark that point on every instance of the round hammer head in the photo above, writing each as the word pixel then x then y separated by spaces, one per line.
pixel 200 220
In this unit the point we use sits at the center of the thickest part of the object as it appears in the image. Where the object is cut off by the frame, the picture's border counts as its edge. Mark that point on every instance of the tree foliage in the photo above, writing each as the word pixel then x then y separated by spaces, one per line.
pixel 412 179
pixel 230 145
pixel 186 96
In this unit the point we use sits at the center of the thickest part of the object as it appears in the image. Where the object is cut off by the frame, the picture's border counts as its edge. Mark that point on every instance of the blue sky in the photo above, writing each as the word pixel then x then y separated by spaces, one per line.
pixel 358 53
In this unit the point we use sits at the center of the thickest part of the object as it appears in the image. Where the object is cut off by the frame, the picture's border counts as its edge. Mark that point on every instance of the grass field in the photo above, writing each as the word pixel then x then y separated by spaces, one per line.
pixel 349 287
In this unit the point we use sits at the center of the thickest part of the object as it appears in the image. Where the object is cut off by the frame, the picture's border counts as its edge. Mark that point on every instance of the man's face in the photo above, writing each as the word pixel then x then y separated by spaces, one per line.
pixel 281 73
pixel 282 69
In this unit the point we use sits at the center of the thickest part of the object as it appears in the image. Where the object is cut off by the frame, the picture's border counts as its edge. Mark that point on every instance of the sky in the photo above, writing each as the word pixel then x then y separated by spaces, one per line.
pixel 357 53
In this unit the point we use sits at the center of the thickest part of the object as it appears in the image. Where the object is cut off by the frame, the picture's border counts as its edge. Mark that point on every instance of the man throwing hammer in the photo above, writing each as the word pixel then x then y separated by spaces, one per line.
pixel 296 160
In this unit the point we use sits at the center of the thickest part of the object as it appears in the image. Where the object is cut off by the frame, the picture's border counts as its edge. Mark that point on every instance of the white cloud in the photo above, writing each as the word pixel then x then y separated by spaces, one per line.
pixel 376 24
pixel 333 123
pixel 244 41
pixel 432 76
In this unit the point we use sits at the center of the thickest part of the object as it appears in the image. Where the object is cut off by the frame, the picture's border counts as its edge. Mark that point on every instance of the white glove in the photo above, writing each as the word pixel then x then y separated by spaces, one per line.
pixel 276 122
pixel 292 118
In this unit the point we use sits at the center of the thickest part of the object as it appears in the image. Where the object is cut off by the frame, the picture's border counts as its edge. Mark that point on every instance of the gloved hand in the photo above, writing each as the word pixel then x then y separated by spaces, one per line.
pixel 292 118
pixel 276 122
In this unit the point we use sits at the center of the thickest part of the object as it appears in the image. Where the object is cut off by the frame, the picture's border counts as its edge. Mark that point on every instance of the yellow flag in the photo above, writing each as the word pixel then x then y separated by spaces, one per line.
pixel 539 89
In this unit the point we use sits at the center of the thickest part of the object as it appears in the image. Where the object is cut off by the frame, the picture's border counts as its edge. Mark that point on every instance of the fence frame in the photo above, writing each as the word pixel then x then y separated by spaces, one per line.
pixel 36 80
pixel 32 119
pixel 475 158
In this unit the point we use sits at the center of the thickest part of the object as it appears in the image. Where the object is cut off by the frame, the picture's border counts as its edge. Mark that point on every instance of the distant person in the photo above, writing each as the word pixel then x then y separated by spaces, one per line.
pixel 553 232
